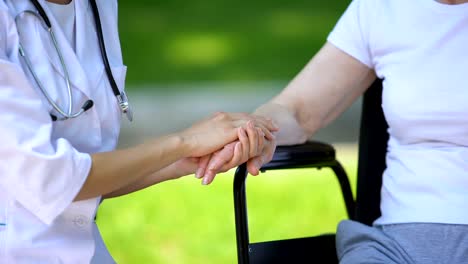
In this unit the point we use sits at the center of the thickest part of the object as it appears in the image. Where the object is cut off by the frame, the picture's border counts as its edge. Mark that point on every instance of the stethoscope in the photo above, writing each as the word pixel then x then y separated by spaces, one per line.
pixel 67 114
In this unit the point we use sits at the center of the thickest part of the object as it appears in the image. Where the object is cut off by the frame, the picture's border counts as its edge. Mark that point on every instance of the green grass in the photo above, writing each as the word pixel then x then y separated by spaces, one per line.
pixel 178 41
pixel 184 222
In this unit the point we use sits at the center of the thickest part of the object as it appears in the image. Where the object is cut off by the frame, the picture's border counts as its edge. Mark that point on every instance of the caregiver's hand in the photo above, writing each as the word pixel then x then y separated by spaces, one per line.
pixel 253 146
pixel 217 131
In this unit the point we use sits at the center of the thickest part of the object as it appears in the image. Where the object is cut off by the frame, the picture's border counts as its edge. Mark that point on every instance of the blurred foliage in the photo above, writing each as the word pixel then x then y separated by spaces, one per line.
pixel 168 41
pixel 183 222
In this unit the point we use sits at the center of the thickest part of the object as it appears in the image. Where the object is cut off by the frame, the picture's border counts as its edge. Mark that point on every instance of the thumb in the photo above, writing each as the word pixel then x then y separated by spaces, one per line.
pixel 254 165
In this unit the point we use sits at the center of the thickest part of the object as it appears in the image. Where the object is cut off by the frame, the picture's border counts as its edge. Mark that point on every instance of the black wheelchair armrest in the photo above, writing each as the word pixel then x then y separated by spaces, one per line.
pixel 309 154
pixel 312 154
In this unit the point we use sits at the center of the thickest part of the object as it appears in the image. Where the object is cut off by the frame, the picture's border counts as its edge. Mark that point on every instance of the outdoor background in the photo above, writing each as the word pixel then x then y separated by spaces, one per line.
pixel 188 59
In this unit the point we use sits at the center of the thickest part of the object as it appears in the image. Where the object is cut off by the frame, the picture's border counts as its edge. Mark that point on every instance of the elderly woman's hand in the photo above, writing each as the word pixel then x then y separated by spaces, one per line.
pixel 253 146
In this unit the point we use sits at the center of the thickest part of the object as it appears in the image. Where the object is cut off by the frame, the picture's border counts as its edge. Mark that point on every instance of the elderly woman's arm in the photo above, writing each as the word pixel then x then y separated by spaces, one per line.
pixel 326 86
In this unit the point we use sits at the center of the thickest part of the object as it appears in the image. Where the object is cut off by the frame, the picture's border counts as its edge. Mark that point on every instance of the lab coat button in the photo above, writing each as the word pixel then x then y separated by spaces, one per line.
pixel 80 221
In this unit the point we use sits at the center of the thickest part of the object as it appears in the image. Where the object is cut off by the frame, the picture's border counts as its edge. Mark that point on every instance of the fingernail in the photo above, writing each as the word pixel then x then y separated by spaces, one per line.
pixel 205 181
pixel 198 173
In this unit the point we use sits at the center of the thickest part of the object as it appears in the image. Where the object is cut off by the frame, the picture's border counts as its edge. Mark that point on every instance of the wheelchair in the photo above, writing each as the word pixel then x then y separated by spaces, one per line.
pixel 373 137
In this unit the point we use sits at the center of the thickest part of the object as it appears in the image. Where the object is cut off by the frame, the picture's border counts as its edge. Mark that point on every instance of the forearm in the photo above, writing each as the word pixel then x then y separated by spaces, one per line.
pixel 326 86
pixel 167 173
pixel 114 170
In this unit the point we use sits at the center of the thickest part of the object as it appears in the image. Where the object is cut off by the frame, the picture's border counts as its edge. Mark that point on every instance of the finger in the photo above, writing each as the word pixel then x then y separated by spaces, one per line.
pixel 268 134
pixel 194 160
pixel 261 141
pixel 202 165
pixel 237 153
pixel 221 157
pixel 236 160
pixel 254 165
pixel 253 139
pixel 217 161
pixel 242 119
pixel 241 150
pixel 258 119
pixel 208 178
pixel 244 139
pixel 266 122
pixel 269 151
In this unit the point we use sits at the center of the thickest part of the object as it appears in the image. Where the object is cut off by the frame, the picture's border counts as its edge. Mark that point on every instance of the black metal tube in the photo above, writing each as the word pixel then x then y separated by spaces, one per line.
pixel 345 189
pixel 240 213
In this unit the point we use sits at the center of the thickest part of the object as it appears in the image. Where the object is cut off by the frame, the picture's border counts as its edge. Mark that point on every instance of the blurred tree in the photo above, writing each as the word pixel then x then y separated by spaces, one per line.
pixel 167 41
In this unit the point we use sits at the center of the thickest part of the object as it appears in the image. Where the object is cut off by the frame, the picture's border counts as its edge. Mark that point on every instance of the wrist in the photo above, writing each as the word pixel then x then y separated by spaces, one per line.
pixel 183 143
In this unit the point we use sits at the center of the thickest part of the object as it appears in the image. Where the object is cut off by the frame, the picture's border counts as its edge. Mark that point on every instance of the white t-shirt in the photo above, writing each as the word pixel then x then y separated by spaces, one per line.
pixel 65 16
pixel 420 49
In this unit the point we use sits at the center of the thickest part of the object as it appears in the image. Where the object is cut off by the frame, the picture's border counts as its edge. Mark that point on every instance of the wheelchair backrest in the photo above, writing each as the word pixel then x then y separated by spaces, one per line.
pixel 373 138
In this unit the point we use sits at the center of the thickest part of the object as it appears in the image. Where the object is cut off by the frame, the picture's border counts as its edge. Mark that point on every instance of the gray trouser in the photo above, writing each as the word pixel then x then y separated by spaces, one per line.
pixel 424 243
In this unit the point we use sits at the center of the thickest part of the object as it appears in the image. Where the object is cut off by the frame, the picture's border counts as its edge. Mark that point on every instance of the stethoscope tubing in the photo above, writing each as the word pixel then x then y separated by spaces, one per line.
pixel 23 54
pixel 121 97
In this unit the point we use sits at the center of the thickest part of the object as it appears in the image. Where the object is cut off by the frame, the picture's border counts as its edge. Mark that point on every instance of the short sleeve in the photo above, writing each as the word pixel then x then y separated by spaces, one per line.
pixel 41 174
pixel 351 32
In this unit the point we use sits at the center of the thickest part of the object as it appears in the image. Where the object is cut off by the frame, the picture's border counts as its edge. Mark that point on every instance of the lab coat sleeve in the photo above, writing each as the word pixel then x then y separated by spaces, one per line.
pixel 41 174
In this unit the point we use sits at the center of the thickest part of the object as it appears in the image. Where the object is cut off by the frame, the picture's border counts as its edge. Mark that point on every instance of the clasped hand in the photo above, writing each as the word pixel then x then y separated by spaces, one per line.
pixel 226 140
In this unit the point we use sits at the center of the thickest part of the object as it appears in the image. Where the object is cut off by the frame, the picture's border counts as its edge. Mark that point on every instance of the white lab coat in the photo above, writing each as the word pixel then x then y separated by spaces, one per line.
pixel 43 164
